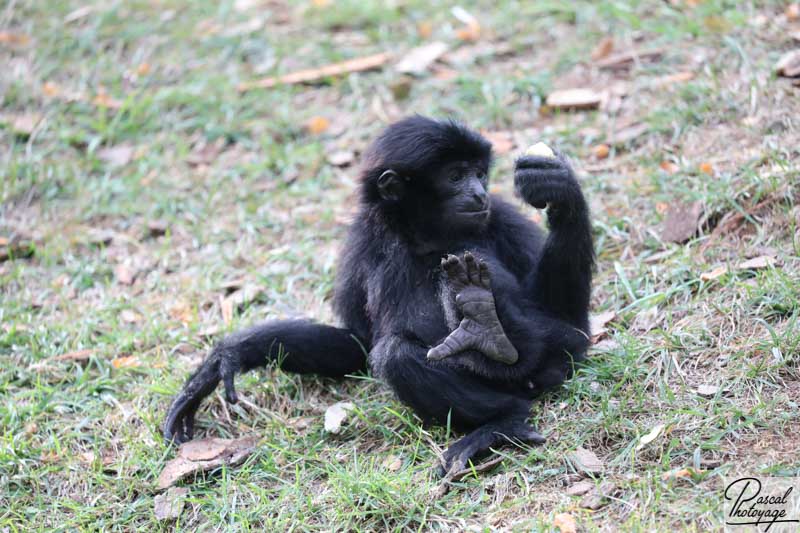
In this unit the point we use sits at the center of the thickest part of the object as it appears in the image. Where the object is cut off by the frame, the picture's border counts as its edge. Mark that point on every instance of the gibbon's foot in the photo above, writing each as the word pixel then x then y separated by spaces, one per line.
pixel 476 444
pixel 480 329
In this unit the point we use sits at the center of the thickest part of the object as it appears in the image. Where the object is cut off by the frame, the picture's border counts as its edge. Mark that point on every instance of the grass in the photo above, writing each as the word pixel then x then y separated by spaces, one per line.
pixel 244 192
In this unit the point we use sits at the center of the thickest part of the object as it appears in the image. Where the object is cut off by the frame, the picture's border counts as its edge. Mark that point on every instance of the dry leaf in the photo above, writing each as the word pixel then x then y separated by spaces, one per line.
pixel 757 263
pixel 669 167
pixel 418 59
pixel 169 506
pixel 235 451
pixel 14 39
pixel 103 99
pixel 124 275
pixel 788 65
pixel 502 141
pixel 131 317
pixel 680 473
pixel 598 497
pixel 580 98
pixel 157 228
pixel 626 59
pixel 670 79
pixel 341 158
pixel 580 488
pixel 226 309
pixel 650 437
pixel 707 168
pixel 316 74
pixel 707 391
pixel 628 133
pixel 24 125
pixel 203 450
pixel 601 151
pixel 565 523
pixel 317 125
pixel 335 415
pixel 714 274
pixel 79 355
pixel 597 324
pixel 681 221
pixel 182 312
pixel 792 12
pixel 128 361
pixel 424 29
pixel 392 463
pixel 471 31
pixel 586 461
pixel 143 69
pixel 603 48
pixel 78 14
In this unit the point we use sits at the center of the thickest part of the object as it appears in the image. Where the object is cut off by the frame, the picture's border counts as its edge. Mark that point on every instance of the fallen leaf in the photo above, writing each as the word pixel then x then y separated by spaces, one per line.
pixel 565 523
pixel 669 167
pixel 341 158
pixel 601 151
pixel 792 12
pixel 124 275
pixel 680 473
pixel 392 463
pixel 579 98
pixel 681 221
pixel 628 133
pixel 235 451
pixel 401 87
pixel 756 263
pixel 471 31
pixel 335 415
pixel 628 58
pixel 226 309
pixel 14 39
pixel 662 207
pixel 317 125
pixel 78 14
pixel 502 141
pixel 788 65
pixel 714 274
pixel 707 168
pixel 78 355
pixel 24 125
pixel 650 437
pixel 598 497
pixel 143 69
pixel 580 488
pixel 707 391
pixel 182 312
pixel 418 59
pixel 603 48
pixel 157 228
pixel 586 461
pixel 671 79
pixel 424 29
pixel 203 450
pixel 116 156
pixel 103 99
pixel 131 317
pixel 128 361
pixel 316 74
pixel 169 505
pixel 597 324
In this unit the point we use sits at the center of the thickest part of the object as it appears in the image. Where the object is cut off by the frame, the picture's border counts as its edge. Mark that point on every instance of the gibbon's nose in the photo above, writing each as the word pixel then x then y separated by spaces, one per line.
pixel 481 199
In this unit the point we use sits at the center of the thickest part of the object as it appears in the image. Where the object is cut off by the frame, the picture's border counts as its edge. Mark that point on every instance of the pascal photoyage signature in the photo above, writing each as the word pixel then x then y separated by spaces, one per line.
pixel 751 508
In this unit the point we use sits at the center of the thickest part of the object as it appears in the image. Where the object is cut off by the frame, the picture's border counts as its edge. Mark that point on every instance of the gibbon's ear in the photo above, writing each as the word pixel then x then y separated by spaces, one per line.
pixel 391 186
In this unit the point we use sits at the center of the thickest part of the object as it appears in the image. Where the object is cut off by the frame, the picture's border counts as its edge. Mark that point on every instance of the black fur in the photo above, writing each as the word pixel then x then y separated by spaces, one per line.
pixel 388 290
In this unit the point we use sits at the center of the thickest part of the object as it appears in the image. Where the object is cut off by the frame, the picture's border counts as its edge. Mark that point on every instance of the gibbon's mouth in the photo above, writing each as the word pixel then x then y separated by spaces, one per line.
pixel 477 213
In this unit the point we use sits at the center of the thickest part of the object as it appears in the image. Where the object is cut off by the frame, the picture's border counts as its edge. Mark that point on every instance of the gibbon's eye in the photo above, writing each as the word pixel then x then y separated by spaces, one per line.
pixel 456 176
